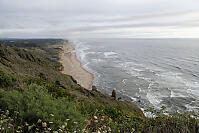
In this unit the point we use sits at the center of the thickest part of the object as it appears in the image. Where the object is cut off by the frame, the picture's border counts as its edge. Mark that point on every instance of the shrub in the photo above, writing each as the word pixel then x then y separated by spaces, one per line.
pixel 2 48
pixel 53 88
pixel 36 103
pixel 164 122
pixel 6 79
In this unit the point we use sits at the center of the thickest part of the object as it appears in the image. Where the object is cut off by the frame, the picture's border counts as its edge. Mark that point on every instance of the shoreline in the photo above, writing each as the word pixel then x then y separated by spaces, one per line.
pixel 72 66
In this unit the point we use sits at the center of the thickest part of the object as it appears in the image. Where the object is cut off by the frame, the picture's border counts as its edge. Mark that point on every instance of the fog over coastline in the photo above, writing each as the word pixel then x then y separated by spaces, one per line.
pixel 105 18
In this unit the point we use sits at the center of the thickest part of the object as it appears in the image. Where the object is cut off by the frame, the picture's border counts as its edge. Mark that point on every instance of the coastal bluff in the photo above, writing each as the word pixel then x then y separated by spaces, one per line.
pixel 35 96
pixel 27 62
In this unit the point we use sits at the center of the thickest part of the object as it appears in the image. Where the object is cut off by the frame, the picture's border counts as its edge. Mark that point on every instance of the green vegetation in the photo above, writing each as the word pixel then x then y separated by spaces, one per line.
pixel 35 103
pixel 35 97
pixel 6 79
pixel 163 121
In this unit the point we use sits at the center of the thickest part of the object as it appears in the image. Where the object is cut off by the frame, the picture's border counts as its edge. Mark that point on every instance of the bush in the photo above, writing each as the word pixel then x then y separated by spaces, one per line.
pixel 36 103
pixel 165 122
pixel 6 79
pixel 2 49
pixel 54 89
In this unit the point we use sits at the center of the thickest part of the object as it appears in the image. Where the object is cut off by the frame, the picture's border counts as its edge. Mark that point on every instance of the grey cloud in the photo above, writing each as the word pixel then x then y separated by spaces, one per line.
pixel 84 17
pixel 144 17
pixel 128 26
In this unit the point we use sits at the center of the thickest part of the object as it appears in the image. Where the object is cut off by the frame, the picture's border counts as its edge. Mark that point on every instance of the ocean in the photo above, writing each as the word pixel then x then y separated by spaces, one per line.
pixel 148 72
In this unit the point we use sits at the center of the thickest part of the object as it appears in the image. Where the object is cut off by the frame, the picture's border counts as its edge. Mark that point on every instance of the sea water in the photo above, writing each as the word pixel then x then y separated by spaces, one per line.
pixel 148 72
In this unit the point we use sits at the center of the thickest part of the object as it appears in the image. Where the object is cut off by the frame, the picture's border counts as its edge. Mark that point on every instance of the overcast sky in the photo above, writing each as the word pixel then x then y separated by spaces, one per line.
pixel 99 18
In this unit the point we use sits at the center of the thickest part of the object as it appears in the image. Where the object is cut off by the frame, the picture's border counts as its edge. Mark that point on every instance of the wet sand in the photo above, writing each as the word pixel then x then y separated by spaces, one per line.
pixel 72 66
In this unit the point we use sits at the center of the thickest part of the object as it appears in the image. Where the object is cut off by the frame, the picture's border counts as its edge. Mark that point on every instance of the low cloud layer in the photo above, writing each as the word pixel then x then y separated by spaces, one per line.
pixel 105 18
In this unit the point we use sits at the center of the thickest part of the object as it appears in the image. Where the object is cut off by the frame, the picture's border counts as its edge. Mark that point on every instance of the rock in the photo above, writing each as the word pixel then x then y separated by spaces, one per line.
pixel 119 98
pixel 94 88
pixel 60 68
pixel 113 94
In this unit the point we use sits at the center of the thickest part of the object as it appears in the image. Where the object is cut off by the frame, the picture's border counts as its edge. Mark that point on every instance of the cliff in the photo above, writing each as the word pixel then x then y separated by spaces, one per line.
pixel 37 65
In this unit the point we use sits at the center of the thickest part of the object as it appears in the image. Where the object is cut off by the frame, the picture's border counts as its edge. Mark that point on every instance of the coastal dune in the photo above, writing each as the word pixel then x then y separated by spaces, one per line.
pixel 72 66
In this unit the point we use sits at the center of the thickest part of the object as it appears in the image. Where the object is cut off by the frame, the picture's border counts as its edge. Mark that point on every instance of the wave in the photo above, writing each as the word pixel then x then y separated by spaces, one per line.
pixel 154 100
pixel 139 72
pixel 97 60
pixel 81 51
pixel 110 54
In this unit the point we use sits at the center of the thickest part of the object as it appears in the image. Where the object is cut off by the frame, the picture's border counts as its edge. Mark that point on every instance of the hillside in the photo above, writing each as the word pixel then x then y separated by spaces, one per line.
pixel 36 97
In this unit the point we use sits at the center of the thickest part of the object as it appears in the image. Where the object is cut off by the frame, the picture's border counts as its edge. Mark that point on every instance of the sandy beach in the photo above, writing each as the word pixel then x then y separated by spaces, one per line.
pixel 72 66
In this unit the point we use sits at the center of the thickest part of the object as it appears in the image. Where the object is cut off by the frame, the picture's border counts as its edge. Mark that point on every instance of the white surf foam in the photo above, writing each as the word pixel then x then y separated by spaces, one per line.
pixel 81 50
pixel 110 54
pixel 97 60
pixel 154 100
pixel 192 88
pixel 130 68
pixel 124 81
